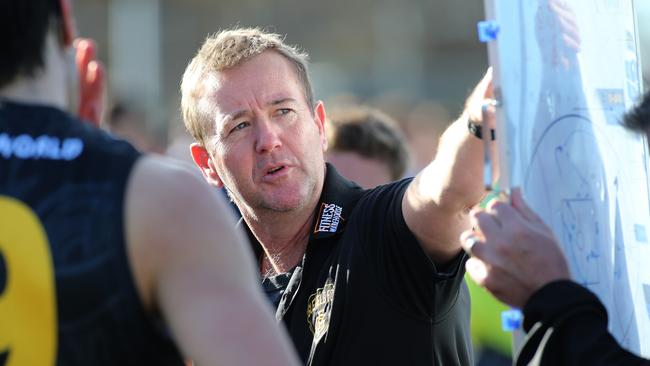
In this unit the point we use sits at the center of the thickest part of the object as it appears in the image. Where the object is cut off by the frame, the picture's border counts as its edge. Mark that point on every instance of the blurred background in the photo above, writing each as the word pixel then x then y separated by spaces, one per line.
pixel 416 60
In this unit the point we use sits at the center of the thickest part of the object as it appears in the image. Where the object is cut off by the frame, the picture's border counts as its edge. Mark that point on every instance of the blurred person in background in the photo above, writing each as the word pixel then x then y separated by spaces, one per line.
pixel 424 124
pixel 369 270
pixel 366 145
pixel 517 258
pixel 100 245
pixel 129 123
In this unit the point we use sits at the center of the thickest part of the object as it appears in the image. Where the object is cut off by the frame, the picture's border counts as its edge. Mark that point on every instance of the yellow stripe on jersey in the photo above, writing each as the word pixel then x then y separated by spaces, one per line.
pixel 28 330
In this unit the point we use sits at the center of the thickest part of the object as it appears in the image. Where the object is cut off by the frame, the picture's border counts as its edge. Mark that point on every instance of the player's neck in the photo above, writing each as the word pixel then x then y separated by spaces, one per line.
pixel 47 86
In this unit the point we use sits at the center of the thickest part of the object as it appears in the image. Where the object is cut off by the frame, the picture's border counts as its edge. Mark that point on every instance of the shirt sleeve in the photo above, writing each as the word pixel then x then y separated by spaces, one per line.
pixel 566 324
pixel 402 268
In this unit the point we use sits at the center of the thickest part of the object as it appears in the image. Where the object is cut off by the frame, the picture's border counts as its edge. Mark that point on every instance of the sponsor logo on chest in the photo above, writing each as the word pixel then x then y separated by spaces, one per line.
pixel 40 147
pixel 319 309
pixel 329 218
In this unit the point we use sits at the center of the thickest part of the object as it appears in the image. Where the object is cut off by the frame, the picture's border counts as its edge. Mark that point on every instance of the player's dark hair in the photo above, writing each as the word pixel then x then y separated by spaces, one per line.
pixel 23 29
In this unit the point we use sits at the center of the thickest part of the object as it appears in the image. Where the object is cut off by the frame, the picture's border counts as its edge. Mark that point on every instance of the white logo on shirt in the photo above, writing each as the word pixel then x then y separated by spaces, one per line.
pixel 41 147
pixel 330 215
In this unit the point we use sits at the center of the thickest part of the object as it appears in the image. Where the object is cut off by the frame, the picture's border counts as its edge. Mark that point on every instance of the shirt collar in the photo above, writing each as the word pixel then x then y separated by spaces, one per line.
pixel 335 204
pixel 337 199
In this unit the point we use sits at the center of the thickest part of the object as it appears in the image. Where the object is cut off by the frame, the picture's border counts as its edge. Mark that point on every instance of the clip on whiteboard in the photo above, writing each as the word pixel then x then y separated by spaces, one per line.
pixel 488 30
pixel 511 320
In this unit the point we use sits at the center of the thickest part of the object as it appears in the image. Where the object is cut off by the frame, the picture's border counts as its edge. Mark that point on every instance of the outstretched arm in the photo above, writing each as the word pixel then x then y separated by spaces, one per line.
pixel 192 265
pixel 437 202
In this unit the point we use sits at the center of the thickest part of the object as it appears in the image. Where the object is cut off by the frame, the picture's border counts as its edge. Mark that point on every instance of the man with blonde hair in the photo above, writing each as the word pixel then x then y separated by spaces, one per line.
pixel 357 276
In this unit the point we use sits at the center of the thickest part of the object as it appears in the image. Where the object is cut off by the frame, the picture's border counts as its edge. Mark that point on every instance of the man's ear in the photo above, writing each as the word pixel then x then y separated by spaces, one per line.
pixel 203 160
pixel 320 117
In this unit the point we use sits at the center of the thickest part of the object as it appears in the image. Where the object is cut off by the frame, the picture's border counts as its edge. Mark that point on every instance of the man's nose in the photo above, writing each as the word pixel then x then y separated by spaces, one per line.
pixel 268 136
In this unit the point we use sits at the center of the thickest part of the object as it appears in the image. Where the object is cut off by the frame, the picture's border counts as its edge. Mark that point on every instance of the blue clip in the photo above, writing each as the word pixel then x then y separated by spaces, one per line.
pixel 511 319
pixel 488 30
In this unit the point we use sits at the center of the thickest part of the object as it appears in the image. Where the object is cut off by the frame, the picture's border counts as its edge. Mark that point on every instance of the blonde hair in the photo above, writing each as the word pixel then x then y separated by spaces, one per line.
pixel 227 49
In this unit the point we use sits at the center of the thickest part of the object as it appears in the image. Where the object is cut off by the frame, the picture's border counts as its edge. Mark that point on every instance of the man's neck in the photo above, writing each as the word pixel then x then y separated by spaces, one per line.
pixel 47 87
pixel 32 91
pixel 283 237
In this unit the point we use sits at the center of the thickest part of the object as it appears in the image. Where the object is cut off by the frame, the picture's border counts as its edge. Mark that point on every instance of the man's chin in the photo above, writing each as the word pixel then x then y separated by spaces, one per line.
pixel 284 203
pixel 281 206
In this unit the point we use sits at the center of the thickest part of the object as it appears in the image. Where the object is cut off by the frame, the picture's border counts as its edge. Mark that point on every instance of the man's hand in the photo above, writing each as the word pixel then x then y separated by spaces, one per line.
pixel 474 105
pixel 91 82
pixel 513 252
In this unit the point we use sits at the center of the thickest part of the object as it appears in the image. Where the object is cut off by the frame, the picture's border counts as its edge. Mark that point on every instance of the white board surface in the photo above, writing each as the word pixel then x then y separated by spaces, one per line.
pixel 565 72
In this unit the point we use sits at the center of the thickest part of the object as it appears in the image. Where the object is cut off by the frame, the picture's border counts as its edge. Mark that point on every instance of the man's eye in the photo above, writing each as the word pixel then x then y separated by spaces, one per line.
pixel 283 111
pixel 239 126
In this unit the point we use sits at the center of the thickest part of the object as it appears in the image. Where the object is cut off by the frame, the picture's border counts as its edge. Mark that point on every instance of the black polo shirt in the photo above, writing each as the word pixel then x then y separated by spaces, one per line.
pixel 366 293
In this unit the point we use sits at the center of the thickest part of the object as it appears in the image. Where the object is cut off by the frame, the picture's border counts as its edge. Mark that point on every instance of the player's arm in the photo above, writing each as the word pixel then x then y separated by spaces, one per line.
pixel 191 264
pixel 437 202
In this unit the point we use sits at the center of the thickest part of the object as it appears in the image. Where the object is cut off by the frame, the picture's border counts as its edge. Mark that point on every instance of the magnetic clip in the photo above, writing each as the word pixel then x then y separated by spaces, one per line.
pixel 488 30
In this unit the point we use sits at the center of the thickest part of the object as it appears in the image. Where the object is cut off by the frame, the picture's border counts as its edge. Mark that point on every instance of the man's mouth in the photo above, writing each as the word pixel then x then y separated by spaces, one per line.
pixel 275 170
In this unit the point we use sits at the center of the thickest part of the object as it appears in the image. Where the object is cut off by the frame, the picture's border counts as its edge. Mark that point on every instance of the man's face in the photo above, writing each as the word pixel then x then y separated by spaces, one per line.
pixel 267 147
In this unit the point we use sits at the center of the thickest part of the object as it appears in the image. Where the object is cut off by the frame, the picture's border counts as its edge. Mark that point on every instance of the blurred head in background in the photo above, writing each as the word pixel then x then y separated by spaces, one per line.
pixel 131 123
pixel 366 145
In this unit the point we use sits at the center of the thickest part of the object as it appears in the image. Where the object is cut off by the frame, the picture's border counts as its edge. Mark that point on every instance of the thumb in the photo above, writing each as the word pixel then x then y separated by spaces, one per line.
pixel 487 81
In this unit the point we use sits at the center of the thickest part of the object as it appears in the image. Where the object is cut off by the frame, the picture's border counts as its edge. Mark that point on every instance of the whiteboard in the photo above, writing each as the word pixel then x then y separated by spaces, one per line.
pixel 587 177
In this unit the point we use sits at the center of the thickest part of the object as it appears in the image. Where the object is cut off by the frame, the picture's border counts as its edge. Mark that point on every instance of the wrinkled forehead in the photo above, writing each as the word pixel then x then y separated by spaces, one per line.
pixel 247 88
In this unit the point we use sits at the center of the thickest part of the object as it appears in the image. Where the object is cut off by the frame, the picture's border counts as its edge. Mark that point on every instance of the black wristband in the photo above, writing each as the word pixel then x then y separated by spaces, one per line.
pixel 477 130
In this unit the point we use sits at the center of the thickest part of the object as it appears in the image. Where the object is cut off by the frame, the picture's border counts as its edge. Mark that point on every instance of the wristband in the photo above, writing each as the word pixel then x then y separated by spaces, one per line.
pixel 477 130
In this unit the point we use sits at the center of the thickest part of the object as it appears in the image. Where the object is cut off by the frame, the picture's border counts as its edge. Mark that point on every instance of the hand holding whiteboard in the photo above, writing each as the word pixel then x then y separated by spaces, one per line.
pixel 564 75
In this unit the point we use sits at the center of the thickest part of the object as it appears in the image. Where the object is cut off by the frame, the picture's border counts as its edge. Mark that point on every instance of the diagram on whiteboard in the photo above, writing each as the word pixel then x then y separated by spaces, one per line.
pixel 566 72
